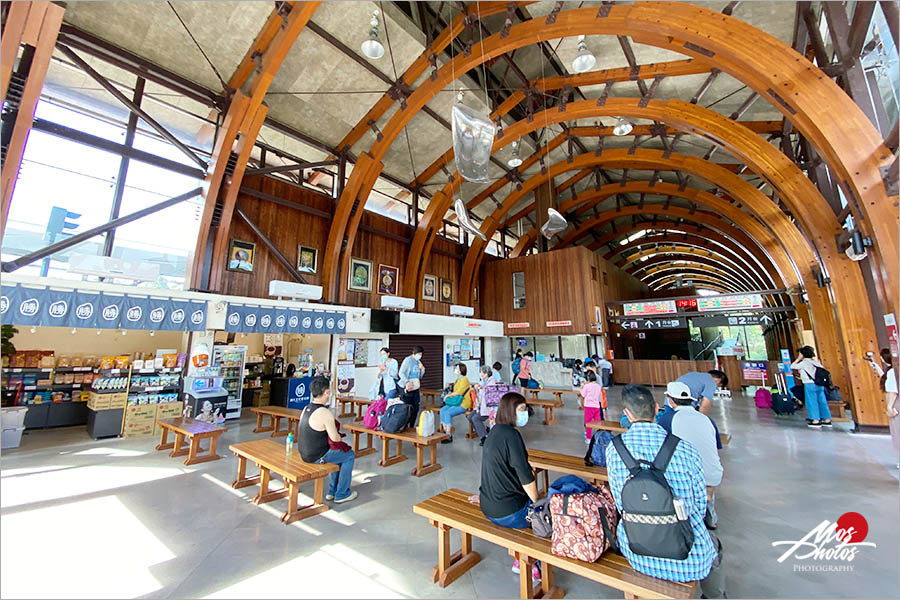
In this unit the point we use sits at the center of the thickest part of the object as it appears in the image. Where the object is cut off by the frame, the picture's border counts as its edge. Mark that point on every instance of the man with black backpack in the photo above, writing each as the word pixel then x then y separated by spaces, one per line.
pixel 657 482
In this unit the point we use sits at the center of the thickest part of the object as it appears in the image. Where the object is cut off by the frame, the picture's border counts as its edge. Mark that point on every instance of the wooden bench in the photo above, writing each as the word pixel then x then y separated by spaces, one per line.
pixel 543 462
pixel 276 414
pixel 437 421
pixel 408 436
pixel 271 457
pixel 557 393
pixel 193 430
pixel 838 412
pixel 549 406
pixel 430 398
pixel 357 406
pixel 616 427
pixel 452 510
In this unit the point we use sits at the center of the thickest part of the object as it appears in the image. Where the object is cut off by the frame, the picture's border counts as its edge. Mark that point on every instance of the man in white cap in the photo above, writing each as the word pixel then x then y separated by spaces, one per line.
pixel 698 430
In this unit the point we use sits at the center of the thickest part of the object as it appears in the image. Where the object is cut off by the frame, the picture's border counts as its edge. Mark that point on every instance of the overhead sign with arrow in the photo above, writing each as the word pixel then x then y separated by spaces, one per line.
pixel 647 324
pixel 730 320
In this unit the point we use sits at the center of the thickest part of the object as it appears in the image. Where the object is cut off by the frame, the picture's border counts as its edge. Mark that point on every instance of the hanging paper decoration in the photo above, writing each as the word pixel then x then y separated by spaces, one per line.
pixel 473 138
pixel 555 223
pixel 463 217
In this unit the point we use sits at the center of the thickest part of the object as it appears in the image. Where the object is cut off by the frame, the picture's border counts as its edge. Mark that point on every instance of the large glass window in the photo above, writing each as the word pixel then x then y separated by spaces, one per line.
pixel 61 173
pixel 518 284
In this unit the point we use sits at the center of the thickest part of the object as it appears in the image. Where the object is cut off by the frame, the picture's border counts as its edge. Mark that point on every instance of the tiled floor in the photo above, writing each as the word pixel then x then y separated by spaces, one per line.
pixel 114 518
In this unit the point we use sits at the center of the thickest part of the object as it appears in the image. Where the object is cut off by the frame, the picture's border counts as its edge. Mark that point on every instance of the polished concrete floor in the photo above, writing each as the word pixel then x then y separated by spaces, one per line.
pixel 114 518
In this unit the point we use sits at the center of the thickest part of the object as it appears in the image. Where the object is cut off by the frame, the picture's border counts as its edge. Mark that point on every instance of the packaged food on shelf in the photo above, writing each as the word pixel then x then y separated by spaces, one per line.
pixel 47 359
pixel 18 360
pixel 32 359
pixel 64 360
pixel 77 361
pixel 107 362
pixel 121 362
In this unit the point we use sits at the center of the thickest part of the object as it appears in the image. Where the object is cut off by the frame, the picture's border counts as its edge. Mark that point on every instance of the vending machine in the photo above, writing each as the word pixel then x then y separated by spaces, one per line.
pixel 229 360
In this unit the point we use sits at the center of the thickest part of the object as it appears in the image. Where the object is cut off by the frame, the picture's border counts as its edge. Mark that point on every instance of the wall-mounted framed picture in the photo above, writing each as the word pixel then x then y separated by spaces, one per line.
pixel 360 279
pixel 387 279
pixel 429 288
pixel 241 256
pixel 446 290
pixel 306 259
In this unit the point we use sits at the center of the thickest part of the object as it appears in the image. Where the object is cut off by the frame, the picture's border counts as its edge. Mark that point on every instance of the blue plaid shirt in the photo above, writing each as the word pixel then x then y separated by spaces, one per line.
pixel 685 477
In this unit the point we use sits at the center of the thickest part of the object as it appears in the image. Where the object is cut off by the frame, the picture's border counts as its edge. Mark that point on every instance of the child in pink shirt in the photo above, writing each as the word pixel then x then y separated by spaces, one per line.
pixel 594 402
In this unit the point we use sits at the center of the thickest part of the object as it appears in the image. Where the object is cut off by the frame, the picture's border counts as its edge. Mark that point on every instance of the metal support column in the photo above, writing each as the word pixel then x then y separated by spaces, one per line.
pixel 122 175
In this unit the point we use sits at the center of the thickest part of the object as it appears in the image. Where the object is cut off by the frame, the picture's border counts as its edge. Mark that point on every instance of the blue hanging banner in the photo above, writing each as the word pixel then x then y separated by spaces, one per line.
pixel 56 308
pixel 341 323
pixel 298 392
pixel 179 314
pixel 9 301
pixel 85 309
pixel 28 307
pixel 197 318
pixel 110 311
pixel 135 313
pixel 157 311
pixel 266 322
pixel 281 320
pixel 251 319
pixel 234 318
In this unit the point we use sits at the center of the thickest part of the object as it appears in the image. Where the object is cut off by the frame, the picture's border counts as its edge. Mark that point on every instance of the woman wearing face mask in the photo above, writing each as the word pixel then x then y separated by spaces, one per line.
pixel 456 401
pixel 508 486
pixel 411 372
pixel 388 373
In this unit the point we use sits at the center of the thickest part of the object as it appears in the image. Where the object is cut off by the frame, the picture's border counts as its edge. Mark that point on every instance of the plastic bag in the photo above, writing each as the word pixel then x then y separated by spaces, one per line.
pixel 473 138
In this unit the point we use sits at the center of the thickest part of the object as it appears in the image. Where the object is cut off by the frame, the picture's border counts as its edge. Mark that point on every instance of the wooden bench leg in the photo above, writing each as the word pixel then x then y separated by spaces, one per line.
pixel 450 567
pixel 386 460
pixel 178 448
pixel 360 411
pixel 164 443
pixel 278 431
pixel 424 469
pixel 370 447
pixel 264 494
pixel 471 434
pixel 195 456
pixel 318 506
pixel 242 479
pixel 259 423
pixel 344 404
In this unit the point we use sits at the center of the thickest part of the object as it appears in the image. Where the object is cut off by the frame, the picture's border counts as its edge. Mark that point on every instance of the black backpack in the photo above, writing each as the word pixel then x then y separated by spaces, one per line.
pixel 652 525
pixel 396 418
pixel 822 377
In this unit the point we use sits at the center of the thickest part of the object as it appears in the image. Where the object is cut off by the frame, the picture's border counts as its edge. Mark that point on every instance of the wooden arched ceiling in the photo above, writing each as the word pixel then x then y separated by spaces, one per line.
pixel 796 246
pixel 692 270
pixel 806 97
pixel 715 282
pixel 689 256
pixel 696 235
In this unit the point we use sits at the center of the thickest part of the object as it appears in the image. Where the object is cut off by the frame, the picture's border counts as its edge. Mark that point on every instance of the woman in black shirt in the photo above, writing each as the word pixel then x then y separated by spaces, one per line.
pixel 507 487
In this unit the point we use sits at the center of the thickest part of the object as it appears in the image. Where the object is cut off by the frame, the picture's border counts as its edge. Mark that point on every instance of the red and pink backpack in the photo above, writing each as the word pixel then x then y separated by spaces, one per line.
pixel 372 418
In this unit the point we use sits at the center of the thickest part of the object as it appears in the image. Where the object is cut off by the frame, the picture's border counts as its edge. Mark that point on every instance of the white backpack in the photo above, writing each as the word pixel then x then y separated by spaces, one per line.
pixel 426 425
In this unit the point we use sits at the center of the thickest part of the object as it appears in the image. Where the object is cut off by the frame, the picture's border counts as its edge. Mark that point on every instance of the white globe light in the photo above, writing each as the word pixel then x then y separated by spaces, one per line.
pixel 514 162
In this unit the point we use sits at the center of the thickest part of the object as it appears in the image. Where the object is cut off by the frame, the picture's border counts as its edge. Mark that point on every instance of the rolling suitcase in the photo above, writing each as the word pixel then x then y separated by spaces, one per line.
pixel 782 403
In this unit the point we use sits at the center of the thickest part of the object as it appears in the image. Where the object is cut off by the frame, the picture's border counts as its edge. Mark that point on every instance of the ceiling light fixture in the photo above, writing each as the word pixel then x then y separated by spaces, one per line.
pixel 622 127
pixel 372 47
pixel 515 161
pixel 584 60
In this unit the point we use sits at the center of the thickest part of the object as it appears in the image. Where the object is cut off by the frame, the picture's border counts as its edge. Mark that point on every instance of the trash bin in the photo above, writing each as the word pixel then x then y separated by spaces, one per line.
pixel 11 438
pixel 13 417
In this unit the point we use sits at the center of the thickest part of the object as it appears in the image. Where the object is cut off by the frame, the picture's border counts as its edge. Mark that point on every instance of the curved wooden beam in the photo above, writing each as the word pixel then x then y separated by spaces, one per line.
pixel 694 269
pixel 710 279
pixel 691 255
pixel 786 234
pixel 757 263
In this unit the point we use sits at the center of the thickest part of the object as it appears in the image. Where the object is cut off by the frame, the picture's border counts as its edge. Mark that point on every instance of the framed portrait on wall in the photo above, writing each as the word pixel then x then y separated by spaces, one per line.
pixel 429 288
pixel 387 280
pixel 306 259
pixel 446 290
pixel 241 256
pixel 360 275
